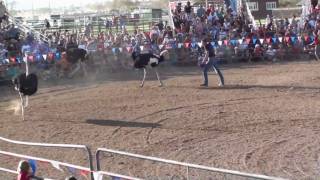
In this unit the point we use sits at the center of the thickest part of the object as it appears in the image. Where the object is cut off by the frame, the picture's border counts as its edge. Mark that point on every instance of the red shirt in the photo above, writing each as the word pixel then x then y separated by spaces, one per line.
pixel 23 176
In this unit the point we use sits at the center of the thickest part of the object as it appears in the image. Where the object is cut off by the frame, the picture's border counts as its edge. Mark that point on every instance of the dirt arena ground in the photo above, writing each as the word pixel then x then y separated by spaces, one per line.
pixel 265 120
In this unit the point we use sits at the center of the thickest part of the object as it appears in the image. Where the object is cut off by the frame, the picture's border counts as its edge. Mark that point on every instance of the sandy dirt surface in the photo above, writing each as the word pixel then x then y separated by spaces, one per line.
pixel 265 120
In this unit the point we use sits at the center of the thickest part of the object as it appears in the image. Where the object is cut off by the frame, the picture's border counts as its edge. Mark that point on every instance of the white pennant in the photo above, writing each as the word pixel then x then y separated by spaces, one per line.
pixel 25 59
pixel 120 49
pixel 240 41
pixel 220 43
pixel 97 176
pixel 261 41
pixel 160 46
pixel 142 48
pixel 199 44
pixel 56 165
pixel 44 56
pixel 280 39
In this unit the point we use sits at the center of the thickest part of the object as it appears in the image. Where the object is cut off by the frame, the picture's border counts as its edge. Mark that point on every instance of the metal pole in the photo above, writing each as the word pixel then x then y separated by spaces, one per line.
pixel 187 172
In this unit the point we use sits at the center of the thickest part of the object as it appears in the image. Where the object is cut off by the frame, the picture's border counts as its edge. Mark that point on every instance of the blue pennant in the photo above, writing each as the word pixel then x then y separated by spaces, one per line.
pixel 274 40
pixel 254 40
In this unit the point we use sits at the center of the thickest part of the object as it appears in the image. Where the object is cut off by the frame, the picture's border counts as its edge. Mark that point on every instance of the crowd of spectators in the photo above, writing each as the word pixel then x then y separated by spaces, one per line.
pixel 232 32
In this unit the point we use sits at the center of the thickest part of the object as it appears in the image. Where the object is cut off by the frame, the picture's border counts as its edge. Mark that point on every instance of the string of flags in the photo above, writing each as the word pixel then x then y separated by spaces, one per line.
pixel 34 164
pixel 57 56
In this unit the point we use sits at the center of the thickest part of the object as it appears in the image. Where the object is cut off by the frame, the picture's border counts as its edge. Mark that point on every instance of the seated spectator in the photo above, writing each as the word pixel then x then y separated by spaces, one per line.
pixel 270 54
pixel 25 172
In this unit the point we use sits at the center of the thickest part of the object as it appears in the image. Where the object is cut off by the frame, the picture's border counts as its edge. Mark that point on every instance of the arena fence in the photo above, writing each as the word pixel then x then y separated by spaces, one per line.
pixel 187 166
pixel 98 173
pixel 66 146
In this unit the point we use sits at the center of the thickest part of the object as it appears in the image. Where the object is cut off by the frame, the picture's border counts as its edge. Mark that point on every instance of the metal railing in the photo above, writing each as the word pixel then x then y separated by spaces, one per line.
pixel 26 29
pixel 39 159
pixel 186 165
pixel 69 146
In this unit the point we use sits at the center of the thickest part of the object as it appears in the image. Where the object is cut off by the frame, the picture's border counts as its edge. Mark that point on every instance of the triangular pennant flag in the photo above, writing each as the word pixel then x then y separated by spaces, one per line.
pixel 142 48
pixel 213 44
pixel 293 39
pixel 248 41
pixel 199 44
pixel 174 45
pixel 186 45
pixel 306 38
pixel 114 50
pixel 97 176
pixel 225 42
pixel 84 173
pixel 240 41
pixel 33 165
pixel 161 46
pixel 115 178
pixel 179 45
pixel 268 40
pixel 254 40
pixel 287 39
pixel 261 41
pixel 129 48
pixel 56 165
pixel 220 43
pixel 147 34
pixel 120 49
pixel 193 45
pixel 72 170
pixel 44 56
pixel 311 38
pixel 274 40
pixel 12 59
pixel 25 59
pixel 280 39
pixel 299 39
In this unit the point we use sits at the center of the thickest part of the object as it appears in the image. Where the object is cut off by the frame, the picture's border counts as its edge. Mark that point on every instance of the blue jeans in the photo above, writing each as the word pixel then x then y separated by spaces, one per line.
pixel 212 65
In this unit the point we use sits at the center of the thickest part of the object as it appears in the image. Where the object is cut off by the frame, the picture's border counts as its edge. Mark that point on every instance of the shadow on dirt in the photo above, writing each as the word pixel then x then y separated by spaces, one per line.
pixel 119 123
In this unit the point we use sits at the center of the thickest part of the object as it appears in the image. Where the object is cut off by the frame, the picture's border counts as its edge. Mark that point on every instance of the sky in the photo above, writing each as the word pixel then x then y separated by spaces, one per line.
pixel 27 4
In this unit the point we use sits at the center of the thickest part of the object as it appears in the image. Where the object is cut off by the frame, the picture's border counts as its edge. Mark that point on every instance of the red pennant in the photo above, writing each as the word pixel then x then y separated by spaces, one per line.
pixel 84 173
pixel 30 58
pixel 225 42
pixel 12 59
pixel 186 45
pixel 287 39
pixel 129 49
pixel 306 38
pixel 248 41
pixel 147 34
pixel 268 40
pixel 50 56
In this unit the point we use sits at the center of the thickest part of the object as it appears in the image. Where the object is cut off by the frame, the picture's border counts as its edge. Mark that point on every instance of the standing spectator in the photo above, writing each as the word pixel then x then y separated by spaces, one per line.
pixel 210 9
pixel 179 8
pixel 201 11
pixel 188 8
pixel 47 23
pixel 122 22
pixel 3 12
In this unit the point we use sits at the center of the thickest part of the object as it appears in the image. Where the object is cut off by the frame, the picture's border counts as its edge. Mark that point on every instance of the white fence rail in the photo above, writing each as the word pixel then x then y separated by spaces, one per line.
pixel 186 165
pixel 68 146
